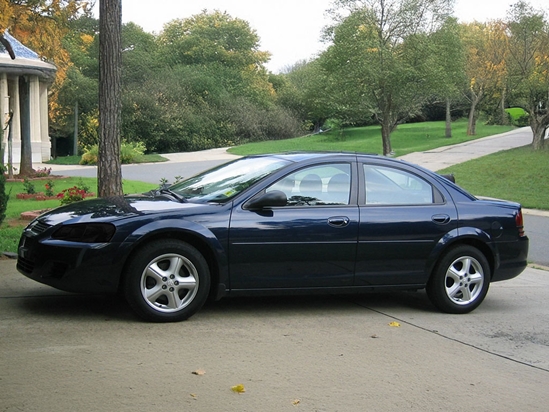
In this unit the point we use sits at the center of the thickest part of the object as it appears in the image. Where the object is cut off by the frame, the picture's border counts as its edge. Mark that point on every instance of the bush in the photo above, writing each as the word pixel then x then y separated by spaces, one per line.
pixel 29 187
pixel 74 194
pixel 519 117
pixel 90 156
pixel 129 153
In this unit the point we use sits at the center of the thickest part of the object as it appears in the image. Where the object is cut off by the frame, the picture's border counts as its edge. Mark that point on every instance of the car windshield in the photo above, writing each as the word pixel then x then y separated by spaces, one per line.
pixel 226 181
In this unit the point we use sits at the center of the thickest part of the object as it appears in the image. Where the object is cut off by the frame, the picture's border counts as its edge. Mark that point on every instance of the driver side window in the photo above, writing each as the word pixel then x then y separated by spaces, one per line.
pixel 322 185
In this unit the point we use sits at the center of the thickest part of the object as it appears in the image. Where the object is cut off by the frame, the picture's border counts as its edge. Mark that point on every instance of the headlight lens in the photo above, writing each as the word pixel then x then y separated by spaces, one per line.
pixel 85 233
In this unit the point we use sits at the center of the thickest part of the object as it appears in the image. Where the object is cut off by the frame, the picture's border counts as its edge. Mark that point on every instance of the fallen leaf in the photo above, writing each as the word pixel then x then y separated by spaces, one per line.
pixel 394 324
pixel 199 372
pixel 193 395
pixel 296 402
pixel 238 388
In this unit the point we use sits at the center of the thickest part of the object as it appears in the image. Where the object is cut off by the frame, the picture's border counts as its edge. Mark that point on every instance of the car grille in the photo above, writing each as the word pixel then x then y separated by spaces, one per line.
pixel 38 227
pixel 25 265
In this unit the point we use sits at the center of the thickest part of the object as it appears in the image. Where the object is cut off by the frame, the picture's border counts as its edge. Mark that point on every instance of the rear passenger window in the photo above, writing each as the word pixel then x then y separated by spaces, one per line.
pixel 389 186
pixel 321 185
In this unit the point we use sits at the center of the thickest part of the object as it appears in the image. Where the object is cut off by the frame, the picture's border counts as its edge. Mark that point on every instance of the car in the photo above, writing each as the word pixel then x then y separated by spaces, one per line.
pixel 290 223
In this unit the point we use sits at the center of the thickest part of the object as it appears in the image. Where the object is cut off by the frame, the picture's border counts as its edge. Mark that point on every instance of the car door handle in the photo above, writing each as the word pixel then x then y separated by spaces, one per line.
pixel 339 221
pixel 440 219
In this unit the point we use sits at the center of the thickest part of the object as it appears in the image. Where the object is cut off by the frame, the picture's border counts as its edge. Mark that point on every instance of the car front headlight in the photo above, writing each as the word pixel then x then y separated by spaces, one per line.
pixel 85 232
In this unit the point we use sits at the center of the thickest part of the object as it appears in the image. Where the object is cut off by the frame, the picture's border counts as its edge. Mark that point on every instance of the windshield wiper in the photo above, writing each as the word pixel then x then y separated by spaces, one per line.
pixel 166 191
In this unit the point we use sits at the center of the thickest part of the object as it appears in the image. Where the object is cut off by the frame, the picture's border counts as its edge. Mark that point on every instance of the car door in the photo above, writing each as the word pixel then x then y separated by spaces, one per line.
pixel 402 217
pixel 309 242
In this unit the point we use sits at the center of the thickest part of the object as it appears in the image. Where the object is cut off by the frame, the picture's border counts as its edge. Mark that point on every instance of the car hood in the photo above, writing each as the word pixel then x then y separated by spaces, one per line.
pixel 115 208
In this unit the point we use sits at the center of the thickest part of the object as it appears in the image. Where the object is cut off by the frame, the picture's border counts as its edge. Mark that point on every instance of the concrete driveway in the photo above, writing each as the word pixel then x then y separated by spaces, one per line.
pixel 63 352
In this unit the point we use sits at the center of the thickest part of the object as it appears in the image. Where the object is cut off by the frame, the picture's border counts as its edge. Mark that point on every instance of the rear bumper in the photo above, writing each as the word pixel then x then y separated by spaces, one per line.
pixel 513 259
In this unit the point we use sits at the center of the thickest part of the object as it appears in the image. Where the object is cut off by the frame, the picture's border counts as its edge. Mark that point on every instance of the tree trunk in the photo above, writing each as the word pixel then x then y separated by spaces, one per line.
pixel 448 119
pixel 25 167
pixel 475 101
pixel 109 170
pixel 386 129
pixel 504 115
pixel 316 128
pixel 539 125
pixel 472 125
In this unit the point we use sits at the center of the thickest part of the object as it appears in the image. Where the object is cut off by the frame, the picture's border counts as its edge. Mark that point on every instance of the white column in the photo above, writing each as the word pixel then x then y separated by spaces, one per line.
pixel 16 120
pixel 4 107
pixel 44 124
pixel 34 106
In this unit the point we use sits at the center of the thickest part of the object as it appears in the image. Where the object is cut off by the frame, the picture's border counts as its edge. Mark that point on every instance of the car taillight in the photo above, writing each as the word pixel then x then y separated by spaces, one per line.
pixel 519 221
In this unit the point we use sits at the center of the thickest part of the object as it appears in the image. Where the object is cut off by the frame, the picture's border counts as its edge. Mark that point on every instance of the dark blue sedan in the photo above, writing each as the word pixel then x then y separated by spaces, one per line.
pixel 279 224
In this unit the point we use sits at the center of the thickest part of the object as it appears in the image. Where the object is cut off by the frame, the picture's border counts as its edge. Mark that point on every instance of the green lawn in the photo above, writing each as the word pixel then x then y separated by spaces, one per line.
pixel 407 138
pixel 518 174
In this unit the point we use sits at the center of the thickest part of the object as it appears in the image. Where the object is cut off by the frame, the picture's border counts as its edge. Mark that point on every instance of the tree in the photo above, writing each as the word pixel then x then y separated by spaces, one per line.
pixel 81 86
pixel 229 45
pixel 109 170
pixel 529 66
pixel 486 46
pixel 451 66
pixel 304 90
pixel 382 58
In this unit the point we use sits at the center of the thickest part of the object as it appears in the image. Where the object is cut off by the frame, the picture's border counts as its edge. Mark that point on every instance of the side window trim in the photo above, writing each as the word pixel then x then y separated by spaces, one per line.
pixel 437 197
pixel 350 170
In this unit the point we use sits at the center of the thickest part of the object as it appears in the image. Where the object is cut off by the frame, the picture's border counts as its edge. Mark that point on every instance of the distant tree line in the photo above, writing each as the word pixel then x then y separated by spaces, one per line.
pixel 202 81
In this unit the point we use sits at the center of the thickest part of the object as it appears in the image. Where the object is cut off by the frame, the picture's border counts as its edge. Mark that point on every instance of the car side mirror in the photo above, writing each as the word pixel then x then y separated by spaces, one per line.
pixel 269 199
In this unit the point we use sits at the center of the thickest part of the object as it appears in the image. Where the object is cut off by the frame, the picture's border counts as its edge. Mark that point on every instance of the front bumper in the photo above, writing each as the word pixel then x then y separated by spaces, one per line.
pixel 71 266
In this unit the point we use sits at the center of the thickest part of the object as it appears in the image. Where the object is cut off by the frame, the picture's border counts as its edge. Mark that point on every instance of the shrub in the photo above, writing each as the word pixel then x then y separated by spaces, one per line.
pixel 29 186
pixel 519 117
pixel 42 172
pixel 49 188
pixel 90 155
pixel 73 194
pixel 129 153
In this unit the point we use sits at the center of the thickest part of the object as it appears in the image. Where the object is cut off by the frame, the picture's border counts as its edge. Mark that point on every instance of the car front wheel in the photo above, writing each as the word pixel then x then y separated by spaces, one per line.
pixel 167 281
pixel 460 280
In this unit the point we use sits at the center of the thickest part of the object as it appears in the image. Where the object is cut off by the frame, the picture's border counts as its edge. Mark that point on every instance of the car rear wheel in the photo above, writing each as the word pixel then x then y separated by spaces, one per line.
pixel 167 281
pixel 460 281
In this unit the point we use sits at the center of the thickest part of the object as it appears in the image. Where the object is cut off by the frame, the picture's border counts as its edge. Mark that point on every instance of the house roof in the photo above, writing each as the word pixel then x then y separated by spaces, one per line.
pixel 26 60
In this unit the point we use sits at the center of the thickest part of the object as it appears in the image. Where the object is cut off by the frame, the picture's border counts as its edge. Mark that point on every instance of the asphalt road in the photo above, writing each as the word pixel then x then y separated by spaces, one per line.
pixel 537 230
pixel 63 352
pixel 149 172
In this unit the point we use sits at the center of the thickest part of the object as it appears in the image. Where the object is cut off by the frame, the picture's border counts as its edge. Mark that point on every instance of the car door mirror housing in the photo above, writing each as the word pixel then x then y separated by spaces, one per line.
pixel 269 199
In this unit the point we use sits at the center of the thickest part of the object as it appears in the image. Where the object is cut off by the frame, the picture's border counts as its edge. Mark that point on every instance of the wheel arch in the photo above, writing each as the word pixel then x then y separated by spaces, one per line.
pixel 206 243
pixel 474 238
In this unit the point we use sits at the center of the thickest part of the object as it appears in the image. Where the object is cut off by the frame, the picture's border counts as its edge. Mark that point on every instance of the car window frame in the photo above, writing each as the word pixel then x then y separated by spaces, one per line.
pixel 353 196
pixel 438 195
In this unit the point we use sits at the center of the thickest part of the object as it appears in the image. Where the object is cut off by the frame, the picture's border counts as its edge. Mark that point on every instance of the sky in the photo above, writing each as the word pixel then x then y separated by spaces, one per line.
pixel 289 29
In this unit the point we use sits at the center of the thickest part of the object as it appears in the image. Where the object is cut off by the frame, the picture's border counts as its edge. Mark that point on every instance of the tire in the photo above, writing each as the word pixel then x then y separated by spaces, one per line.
pixel 167 281
pixel 460 280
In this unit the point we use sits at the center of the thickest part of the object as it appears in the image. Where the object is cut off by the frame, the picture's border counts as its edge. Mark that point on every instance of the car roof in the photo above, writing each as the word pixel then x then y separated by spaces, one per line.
pixel 299 156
